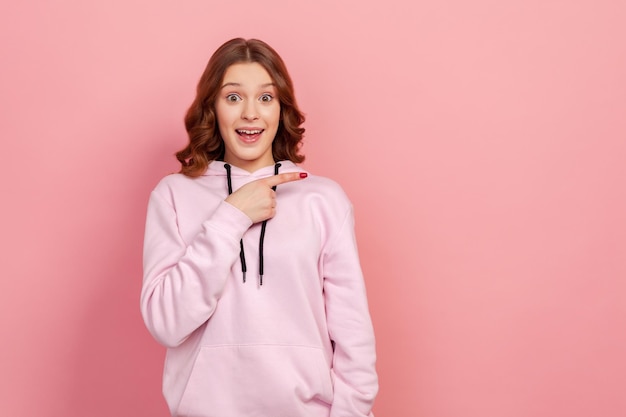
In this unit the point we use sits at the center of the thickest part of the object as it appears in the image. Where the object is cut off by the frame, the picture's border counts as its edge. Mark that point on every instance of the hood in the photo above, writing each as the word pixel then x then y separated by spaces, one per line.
pixel 216 168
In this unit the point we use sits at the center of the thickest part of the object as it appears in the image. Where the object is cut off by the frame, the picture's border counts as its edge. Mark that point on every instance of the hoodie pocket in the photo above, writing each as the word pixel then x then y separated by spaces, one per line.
pixel 258 381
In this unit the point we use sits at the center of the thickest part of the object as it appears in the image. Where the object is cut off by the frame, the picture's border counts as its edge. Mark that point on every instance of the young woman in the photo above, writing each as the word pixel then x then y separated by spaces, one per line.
pixel 251 272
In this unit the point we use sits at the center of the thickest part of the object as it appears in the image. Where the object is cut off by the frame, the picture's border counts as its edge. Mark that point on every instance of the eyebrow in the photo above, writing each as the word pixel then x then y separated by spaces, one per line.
pixel 239 85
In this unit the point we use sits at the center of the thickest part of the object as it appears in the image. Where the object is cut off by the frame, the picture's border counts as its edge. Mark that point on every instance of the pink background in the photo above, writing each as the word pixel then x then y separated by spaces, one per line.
pixel 483 144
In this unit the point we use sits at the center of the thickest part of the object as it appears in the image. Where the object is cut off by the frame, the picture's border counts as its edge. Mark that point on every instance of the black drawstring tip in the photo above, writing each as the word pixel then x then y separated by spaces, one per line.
pixel 244 277
pixel 260 279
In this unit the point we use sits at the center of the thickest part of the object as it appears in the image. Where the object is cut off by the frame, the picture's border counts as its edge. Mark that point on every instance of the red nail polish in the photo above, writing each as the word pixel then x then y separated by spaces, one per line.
pixel 303 175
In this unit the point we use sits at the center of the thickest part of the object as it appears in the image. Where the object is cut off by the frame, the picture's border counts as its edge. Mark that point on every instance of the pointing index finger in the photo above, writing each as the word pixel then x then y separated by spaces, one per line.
pixel 286 177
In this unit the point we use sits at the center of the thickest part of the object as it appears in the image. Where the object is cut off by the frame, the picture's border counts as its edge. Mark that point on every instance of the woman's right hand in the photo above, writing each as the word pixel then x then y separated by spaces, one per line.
pixel 257 199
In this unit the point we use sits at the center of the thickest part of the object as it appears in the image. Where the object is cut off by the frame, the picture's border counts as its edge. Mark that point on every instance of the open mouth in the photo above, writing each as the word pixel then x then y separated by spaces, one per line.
pixel 249 132
pixel 249 135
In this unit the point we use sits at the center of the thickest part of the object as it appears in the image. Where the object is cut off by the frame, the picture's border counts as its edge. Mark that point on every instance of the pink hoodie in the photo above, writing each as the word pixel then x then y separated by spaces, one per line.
pixel 240 349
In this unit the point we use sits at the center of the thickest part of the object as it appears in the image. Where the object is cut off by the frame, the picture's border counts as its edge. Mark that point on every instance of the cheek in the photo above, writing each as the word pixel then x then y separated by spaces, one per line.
pixel 222 120
pixel 272 115
pixel 221 114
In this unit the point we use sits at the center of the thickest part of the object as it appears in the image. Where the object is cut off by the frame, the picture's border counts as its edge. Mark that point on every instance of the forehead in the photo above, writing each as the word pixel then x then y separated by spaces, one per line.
pixel 250 74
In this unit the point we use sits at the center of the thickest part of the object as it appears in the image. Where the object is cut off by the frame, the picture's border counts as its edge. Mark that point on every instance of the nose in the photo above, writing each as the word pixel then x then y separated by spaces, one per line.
pixel 249 111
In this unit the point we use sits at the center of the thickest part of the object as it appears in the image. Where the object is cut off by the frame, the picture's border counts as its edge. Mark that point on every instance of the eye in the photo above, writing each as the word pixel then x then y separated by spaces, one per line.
pixel 233 98
pixel 266 98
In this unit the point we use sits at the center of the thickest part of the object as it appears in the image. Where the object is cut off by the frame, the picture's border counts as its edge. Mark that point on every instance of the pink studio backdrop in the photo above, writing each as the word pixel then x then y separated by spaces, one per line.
pixel 483 145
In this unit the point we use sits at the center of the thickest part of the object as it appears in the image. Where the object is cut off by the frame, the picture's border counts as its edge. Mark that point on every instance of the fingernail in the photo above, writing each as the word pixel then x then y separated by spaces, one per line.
pixel 303 175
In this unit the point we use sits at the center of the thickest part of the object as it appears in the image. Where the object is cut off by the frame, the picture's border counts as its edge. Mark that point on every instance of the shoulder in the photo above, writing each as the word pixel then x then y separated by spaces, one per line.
pixel 326 185
pixel 174 184
pixel 177 180
pixel 313 183
pixel 325 194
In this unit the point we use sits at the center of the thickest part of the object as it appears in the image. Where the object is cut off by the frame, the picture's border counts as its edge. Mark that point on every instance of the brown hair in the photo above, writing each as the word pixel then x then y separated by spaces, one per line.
pixel 205 142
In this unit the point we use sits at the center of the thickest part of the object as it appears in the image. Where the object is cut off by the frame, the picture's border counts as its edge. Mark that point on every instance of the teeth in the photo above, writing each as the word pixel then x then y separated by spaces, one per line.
pixel 249 132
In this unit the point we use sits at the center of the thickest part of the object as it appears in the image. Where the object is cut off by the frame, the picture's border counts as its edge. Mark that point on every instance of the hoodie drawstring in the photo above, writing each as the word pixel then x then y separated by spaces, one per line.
pixel 242 255
pixel 263 226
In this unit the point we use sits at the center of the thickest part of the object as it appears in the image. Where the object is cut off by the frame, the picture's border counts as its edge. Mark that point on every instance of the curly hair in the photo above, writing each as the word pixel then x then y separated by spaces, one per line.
pixel 205 142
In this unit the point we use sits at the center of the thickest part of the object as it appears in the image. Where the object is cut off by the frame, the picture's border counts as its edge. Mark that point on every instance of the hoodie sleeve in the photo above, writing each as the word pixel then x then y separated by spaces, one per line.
pixel 350 327
pixel 183 282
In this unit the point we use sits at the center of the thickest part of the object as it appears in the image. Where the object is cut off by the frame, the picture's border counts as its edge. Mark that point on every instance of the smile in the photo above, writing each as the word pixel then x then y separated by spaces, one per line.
pixel 249 132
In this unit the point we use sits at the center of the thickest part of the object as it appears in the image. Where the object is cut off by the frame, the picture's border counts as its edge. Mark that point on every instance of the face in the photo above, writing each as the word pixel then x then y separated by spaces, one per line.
pixel 248 114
